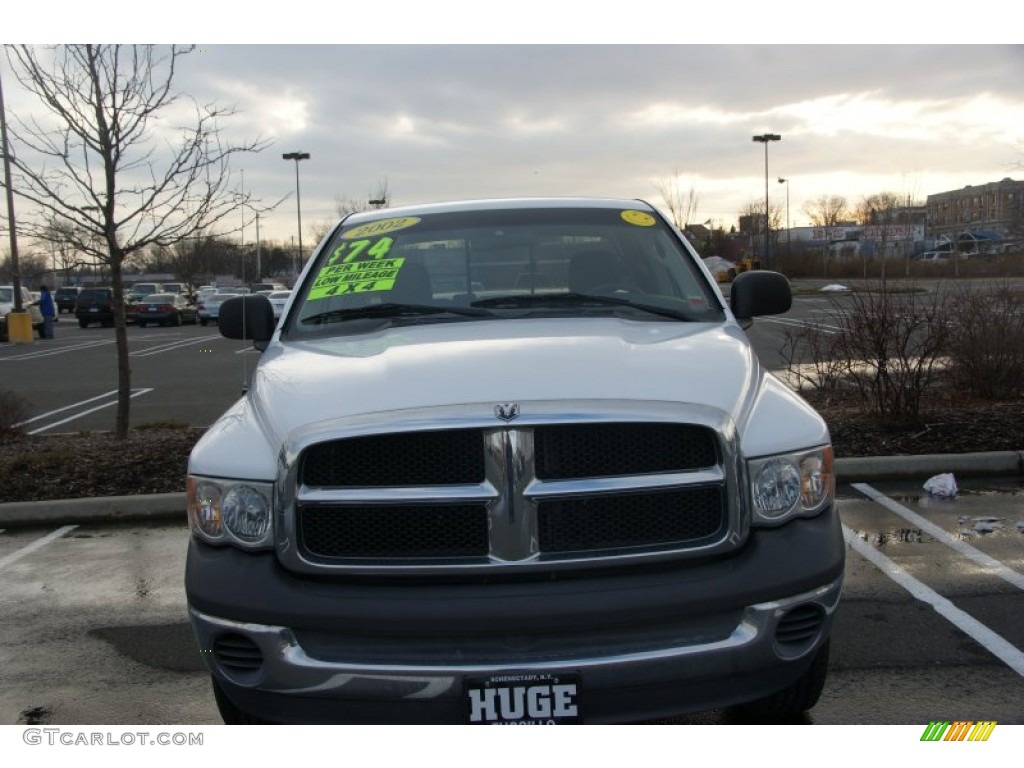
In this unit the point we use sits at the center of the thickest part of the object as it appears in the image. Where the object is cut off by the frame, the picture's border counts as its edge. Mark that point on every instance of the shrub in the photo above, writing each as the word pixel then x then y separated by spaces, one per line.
pixel 14 409
pixel 986 345
pixel 886 341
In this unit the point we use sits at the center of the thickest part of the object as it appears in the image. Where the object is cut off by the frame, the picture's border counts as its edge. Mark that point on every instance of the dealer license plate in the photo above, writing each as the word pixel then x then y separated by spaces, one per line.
pixel 524 699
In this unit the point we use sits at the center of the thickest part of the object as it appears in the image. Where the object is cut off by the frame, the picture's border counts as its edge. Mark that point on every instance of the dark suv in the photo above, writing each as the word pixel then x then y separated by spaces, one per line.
pixel 65 298
pixel 95 305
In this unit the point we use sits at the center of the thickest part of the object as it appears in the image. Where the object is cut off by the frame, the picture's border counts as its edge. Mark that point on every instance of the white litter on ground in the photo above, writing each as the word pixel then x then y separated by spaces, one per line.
pixel 834 288
pixel 941 485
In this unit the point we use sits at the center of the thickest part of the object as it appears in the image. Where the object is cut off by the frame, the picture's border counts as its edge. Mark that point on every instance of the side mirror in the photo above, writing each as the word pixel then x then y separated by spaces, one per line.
pixel 760 292
pixel 249 317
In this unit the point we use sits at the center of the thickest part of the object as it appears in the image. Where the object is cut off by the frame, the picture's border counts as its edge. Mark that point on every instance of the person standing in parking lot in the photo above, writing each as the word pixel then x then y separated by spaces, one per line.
pixel 48 310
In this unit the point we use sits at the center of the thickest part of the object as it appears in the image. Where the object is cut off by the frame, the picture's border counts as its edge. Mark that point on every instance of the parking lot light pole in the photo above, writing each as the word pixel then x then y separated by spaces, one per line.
pixel 765 138
pixel 297 156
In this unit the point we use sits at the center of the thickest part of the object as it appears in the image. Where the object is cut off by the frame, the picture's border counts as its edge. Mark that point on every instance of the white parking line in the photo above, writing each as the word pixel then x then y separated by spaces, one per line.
pixel 830 329
pixel 51 351
pixel 171 346
pixel 66 408
pixel 992 642
pixel 134 394
pixel 37 544
pixel 988 563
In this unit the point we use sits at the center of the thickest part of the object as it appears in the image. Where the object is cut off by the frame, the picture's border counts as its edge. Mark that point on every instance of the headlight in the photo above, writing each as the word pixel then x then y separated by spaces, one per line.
pixel 791 485
pixel 231 511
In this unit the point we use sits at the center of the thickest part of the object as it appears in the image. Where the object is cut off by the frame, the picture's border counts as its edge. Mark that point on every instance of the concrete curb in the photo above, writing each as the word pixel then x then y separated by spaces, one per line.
pixel 107 509
pixel 992 463
pixel 171 506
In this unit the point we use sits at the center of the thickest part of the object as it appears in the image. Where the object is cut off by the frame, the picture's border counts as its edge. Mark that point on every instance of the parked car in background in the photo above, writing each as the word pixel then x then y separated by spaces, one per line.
pixel 236 290
pixel 278 299
pixel 176 288
pixel 95 305
pixel 209 308
pixel 268 288
pixel 141 290
pixel 7 305
pixel 65 298
pixel 137 293
pixel 165 309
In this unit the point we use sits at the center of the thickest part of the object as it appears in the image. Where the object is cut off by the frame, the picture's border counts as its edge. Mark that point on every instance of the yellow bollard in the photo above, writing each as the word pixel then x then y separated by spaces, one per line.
pixel 19 327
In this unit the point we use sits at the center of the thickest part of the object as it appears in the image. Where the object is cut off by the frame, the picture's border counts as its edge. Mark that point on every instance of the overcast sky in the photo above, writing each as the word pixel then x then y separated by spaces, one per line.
pixel 444 122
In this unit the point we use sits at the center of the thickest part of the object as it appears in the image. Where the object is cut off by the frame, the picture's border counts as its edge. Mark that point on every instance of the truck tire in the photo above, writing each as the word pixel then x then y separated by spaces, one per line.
pixel 230 714
pixel 793 701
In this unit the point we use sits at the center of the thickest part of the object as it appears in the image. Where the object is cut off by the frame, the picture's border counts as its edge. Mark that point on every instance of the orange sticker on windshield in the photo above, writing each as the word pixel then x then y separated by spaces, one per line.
pixel 638 218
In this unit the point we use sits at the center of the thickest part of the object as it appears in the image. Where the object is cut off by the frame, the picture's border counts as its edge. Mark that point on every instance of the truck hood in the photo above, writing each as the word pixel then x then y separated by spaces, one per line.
pixel 298 386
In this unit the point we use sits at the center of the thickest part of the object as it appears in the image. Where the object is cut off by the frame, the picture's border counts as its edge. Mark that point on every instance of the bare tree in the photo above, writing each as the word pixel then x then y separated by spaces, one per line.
pixel 754 212
pixel 66 258
pixel 682 205
pixel 104 162
pixel 345 206
pixel 379 198
pixel 827 210
pixel 31 266
pixel 880 215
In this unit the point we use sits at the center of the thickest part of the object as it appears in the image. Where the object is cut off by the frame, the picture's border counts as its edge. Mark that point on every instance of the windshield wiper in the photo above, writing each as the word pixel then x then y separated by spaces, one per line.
pixel 393 309
pixel 576 300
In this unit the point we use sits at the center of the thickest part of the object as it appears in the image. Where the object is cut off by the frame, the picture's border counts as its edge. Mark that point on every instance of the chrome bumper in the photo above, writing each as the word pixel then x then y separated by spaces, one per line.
pixel 288 669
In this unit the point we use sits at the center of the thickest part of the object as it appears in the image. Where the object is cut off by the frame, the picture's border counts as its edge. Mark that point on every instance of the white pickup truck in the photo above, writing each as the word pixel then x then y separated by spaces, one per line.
pixel 512 462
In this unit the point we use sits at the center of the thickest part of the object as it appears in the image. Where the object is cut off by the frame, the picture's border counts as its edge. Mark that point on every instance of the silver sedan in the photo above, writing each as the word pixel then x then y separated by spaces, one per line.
pixel 209 307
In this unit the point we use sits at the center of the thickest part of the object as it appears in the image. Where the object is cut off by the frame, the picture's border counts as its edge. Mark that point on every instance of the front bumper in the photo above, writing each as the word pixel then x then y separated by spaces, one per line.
pixel 644 643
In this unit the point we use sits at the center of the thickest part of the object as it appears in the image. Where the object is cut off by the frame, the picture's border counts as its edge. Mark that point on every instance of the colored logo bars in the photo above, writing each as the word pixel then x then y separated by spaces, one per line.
pixel 960 730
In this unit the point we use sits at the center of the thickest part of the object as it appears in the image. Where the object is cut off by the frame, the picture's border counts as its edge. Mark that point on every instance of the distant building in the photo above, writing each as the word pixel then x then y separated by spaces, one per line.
pixel 995 209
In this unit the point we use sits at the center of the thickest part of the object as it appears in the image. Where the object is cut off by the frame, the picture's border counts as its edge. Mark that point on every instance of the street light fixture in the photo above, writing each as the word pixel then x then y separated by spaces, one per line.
pixel 297 156
pixel 789 233
pixel 765 138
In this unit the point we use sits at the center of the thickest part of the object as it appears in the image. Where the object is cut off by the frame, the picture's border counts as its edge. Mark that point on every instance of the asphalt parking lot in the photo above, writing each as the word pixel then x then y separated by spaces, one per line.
pixel 95 629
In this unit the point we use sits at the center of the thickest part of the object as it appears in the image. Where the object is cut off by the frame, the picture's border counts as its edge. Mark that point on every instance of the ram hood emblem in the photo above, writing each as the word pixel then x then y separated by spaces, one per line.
pixel 506 411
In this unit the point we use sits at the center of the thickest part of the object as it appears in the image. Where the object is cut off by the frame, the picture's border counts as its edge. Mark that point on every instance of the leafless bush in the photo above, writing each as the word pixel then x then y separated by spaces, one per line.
pixel 887 342
pixel 986 343
pixel 13 410
pixel 825 368
pixel 894 340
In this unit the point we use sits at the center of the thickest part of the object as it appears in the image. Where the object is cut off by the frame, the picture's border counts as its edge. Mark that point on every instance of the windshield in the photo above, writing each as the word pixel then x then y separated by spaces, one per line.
pixel 7 295
pixel 497 264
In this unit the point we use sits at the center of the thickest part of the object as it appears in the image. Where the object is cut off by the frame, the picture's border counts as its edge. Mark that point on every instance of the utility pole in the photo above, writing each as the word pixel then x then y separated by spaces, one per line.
pixel 11 227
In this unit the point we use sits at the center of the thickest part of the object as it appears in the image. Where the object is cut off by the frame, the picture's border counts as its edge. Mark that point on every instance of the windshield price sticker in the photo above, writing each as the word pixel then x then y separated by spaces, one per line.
pixel 354 249
pixel 382 227
pixel 524 699
pixel 356 277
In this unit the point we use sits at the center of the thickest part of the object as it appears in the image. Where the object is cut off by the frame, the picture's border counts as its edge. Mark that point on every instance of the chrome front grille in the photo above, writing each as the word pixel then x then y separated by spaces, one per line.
pixel 538 494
